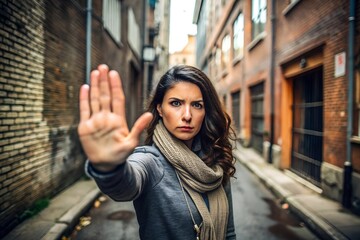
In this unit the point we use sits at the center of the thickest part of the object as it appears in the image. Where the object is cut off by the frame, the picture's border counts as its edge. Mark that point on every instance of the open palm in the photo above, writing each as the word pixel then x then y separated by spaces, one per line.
pixel 103 130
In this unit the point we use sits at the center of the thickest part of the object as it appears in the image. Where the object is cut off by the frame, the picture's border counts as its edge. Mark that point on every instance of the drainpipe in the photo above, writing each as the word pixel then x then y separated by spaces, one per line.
pixel 88 40
pixel 272 79
pixel 347 187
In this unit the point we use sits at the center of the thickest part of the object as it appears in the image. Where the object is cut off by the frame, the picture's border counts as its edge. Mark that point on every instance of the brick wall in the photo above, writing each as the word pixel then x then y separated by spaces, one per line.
pixel 41 68
pixel 310 23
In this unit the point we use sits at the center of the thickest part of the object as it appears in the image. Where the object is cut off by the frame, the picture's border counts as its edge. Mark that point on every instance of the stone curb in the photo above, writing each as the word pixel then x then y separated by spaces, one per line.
pixel 320 226
pixel 68 221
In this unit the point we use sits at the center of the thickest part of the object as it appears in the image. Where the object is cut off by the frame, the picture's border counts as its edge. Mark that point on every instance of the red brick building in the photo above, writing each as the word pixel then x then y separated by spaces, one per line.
pixel 42 66
pixel 282 70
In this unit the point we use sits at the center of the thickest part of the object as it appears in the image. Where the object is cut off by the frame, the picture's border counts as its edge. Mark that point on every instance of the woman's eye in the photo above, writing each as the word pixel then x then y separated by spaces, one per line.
pixel 198 105
pixel 175 103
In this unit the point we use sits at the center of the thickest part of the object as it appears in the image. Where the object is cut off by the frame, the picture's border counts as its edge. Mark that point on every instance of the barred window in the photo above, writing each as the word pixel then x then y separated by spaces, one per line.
pixel 235 97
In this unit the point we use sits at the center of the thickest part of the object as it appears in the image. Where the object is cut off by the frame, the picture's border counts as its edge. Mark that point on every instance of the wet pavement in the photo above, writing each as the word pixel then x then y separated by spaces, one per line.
pixel 257 215
pixel 109 220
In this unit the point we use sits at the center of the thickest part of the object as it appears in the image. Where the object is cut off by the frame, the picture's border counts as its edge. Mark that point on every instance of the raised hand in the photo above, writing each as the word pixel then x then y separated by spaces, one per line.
pixel 103 130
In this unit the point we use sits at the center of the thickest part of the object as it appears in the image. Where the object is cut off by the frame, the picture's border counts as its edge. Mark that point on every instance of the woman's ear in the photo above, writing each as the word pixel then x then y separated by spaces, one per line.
pixel 158 108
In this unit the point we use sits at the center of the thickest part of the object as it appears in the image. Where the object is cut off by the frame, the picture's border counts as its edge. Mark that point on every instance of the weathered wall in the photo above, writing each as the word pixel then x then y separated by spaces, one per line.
pixel 42 65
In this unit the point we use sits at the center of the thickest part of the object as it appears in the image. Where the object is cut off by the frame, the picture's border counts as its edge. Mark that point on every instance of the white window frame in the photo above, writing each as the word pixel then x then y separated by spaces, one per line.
pixel 238 38
pixel 225 50
pixel 112 18
pixel 258 17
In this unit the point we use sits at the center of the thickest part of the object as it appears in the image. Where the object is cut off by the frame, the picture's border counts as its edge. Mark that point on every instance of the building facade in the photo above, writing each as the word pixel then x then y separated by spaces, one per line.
pixel 161 41
pixel 283 70
pixel 186 55
pixel 46 55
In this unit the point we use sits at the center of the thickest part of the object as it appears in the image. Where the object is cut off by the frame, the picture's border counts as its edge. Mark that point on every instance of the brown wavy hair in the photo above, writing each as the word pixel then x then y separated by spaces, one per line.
pixel 215 133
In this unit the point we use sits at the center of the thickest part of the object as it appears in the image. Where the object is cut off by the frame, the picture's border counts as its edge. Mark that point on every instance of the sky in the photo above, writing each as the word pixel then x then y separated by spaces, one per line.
pixel 181 16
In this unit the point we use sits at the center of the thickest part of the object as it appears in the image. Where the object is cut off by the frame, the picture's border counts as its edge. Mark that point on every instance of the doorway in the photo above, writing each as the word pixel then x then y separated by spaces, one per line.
pixel 307 130
pixel 257 116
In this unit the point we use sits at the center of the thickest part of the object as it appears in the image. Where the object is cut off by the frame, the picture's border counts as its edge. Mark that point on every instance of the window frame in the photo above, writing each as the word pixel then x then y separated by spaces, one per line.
pixel 257 15
pixel 238 30
pixel 225 51
pixel 111 14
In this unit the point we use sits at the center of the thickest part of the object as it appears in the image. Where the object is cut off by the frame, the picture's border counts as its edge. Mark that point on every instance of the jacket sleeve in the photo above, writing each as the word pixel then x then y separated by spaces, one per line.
pixel 230 233
pixel 128 181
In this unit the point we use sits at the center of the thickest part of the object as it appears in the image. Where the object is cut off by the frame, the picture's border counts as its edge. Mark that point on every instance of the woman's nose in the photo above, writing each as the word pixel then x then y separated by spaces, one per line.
pixel 187 113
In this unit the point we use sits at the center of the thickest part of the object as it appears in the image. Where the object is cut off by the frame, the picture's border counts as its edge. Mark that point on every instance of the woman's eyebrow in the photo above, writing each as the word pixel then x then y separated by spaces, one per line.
pixel 175 98
pixel 183 100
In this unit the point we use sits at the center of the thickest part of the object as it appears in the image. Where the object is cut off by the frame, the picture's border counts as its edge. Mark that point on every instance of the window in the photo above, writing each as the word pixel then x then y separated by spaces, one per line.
pixel 257 116
pixel 239 36
pixel 225 51
pixel 112 18
pixel 258 17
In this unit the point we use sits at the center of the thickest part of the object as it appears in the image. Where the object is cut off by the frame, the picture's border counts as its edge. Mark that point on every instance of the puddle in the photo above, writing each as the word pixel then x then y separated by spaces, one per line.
pixel 287 225
pixel 122 215
pixel 281 215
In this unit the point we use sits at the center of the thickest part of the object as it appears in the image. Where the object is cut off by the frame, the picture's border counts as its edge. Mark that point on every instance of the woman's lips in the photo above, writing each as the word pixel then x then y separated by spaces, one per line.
pixel 186 129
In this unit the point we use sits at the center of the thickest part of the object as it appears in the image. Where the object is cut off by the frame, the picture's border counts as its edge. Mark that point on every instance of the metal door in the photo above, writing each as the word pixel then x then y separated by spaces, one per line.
pixel 257 116
pixel 236 110
pixel 307 140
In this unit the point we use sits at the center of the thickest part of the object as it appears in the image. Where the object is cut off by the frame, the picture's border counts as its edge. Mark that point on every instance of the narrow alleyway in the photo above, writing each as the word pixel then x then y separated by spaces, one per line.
pixel 257 214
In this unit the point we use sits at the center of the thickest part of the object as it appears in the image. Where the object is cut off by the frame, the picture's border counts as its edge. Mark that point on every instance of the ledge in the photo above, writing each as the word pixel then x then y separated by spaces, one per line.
pixel 237 60
pixel 290 7
pixel 355 139
pixel 256 41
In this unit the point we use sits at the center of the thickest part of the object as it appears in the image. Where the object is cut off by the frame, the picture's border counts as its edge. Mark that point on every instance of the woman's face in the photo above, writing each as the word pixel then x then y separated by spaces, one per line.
pixel 182 111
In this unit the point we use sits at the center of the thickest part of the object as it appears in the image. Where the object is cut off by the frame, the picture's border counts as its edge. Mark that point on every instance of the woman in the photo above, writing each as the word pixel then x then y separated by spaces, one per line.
pixel 179 181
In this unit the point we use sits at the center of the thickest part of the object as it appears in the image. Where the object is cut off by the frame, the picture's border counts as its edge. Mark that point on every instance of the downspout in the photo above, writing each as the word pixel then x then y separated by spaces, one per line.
pixel 272 80
pixel 88 40
pixel 347 187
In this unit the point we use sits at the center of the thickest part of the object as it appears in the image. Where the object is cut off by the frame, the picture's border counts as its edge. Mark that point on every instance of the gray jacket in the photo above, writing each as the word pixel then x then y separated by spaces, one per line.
pixel 150 181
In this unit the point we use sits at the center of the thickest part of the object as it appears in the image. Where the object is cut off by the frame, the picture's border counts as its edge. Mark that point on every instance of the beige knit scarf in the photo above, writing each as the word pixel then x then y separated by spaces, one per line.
pixel 197 178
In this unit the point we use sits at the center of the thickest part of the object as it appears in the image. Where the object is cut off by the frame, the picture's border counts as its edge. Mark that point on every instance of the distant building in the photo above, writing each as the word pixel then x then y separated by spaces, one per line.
pixel 161 41
pixel 186 55
pixel 283 73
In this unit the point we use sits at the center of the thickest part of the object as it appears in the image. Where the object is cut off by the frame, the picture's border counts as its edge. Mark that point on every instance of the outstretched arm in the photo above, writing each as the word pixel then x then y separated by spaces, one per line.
pixel 103 130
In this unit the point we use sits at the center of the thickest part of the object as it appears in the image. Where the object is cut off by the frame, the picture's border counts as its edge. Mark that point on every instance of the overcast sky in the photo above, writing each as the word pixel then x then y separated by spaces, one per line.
pixel 181 16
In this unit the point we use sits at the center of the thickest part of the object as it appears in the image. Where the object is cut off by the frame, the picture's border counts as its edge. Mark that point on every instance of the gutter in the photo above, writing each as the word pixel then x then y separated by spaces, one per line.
pixel 88 40
pixel 272 79
pixel 347 187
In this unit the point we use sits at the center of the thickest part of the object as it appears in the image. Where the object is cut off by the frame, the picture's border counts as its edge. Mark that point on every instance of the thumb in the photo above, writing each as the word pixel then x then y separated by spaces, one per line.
pixel 141 123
